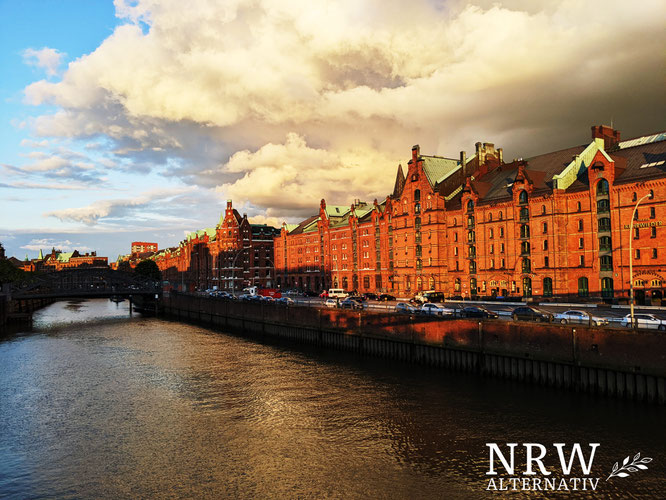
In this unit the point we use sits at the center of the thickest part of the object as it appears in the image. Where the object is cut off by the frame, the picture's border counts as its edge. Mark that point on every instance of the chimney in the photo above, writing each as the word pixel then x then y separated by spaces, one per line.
pixel 416 152
pixel 500 155
pixel 463 163
pixel 611 137
pixel 479 152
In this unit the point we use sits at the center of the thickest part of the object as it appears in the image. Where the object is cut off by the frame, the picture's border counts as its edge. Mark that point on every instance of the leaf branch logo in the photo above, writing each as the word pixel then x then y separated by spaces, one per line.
pixel 636 464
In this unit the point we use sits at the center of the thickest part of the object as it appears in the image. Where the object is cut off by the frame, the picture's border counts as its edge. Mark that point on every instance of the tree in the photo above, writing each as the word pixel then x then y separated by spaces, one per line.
pixel 149 269
pixel 9 273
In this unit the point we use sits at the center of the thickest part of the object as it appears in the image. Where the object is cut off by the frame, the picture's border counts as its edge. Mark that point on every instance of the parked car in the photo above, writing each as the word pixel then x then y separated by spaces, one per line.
pixel 436 310
pixel 645 321
pixel 478 312
pixel 324 294
pixel 331 303
pixel 428 296
pixel 385 297
pixel 370 296
pixel 403 308
pixel 350 303
pixel 285 301
pixel 310 293
pixel 575 316
pixel 531 313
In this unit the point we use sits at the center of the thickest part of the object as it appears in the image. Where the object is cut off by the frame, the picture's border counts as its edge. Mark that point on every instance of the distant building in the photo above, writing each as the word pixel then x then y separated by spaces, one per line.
pixel 58 260
pixel 2 252
pixel 143 247
pixel 557 224
pixel 230 256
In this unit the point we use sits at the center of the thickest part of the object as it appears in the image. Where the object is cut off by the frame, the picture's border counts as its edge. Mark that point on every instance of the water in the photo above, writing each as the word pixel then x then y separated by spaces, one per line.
pixel 95 404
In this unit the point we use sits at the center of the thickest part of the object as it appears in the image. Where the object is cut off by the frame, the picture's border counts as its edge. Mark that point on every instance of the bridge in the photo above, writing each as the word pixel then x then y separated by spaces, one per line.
pixel 86 283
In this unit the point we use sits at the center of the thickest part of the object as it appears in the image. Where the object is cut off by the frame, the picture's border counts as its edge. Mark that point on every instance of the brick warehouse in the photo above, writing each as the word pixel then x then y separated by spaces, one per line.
pixel 232 255
pixel 556 224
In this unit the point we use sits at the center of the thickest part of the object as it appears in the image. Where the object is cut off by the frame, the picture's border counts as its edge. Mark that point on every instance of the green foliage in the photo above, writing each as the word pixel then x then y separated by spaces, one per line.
pixel 10 273
pixel 149 269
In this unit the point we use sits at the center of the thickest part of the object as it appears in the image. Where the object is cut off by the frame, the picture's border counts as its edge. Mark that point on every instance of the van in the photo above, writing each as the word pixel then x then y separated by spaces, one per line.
pixel 336 293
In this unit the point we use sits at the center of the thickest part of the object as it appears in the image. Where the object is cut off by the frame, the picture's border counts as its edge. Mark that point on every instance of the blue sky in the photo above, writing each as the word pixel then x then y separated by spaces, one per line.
pixel 137 119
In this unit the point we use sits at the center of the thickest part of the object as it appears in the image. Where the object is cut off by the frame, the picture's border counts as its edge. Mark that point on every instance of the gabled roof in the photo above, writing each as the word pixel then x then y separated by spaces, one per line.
pixel 399 184
pixel 307 223
pixel 646 160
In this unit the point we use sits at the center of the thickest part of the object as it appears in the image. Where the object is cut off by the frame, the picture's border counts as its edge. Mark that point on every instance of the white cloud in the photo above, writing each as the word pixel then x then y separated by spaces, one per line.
pixel 46 58
pixel 352 84
pixel 46 244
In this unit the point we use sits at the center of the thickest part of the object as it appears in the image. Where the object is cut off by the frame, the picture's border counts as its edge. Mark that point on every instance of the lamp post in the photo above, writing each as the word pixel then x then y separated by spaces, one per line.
pixel 631 259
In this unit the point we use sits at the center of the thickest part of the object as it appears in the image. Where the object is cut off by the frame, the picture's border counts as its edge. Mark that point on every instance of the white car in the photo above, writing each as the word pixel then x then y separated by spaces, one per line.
pixel 583 317
pixel 331 303
pixel 645 321
pixel 403 308
pixel 436 310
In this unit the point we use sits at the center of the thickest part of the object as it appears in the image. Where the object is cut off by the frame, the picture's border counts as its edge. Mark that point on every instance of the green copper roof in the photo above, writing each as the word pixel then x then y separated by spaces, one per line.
pixel 290 227
pixel 41 255
pixel 64 257
pixel 336 210
pixel 437 168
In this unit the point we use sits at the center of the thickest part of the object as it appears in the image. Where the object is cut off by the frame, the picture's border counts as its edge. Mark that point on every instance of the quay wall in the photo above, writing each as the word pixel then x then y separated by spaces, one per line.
pixel 613 362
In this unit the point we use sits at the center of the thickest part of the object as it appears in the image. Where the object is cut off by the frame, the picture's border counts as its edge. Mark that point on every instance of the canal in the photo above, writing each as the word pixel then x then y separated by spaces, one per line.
pixel 97 404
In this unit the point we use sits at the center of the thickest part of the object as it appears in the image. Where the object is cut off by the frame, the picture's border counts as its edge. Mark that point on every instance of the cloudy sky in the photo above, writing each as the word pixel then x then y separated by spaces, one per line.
pixel 137 119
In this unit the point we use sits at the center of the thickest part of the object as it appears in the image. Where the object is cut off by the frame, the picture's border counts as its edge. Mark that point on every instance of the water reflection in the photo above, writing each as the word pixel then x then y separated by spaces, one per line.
pixel 96 404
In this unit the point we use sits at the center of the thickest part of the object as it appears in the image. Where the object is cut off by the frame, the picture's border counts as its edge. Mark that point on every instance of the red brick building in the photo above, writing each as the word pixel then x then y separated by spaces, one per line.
pixel 58 260
pixel 231 256
pixel 556 224
pixel 143 247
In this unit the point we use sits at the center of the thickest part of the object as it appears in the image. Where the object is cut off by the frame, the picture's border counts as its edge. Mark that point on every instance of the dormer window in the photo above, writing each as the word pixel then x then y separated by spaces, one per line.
pixel 470 206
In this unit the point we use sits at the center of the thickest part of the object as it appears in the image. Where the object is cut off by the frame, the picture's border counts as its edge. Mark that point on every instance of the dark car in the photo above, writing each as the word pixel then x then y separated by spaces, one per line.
pixel 530 313
pixel 370 296
pixel 385 297
pixel 350 303
pixel 310 293
pixel 478 312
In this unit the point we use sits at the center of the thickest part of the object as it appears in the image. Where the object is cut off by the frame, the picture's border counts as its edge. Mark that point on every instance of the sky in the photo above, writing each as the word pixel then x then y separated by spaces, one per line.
pixel 137 120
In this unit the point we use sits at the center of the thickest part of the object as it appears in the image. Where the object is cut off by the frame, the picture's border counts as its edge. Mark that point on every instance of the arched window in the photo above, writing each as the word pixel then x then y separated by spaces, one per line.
pixel 602 187
pixel 607 288
pixel 548 287
pixel 417 223
pixel 583 288
pixel 606 262
pixel 472 286
pixel 524 231
pixel 472 267
pixel 472 252
pixel 457 285
pixel 605 243
pixel 634 196
pixel 525 248
pixel 344 283
pixel 431 283
pixel 501 215
pixel 527 266
pixel 604 224
pixel 522 197
pixel 490 217
pixel 579 207
pixel 524 213
pixel 419 264
pixel 417 195
pixel 543 209
pixel 470 206
pixel 471 236
pixel 651 194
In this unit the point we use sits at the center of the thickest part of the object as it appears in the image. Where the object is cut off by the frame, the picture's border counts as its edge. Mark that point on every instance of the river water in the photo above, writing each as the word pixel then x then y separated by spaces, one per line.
pixel 97 404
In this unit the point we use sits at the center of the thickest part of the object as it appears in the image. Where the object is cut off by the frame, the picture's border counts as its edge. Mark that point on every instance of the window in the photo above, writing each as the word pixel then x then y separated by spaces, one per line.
pixel 527 266
pixel 545 244
pixel 524 213
pixel 603 206
pixel 472 286
pixel 522 197
pixel 607 287
pixel 638 253
pixel 606 263
pixel 602 187
pixel 651 194
pixel 581 261
pixel 470 206
pixel 604 224
pixel 455 236
pixel 490 217
pixel 472 267
pixel 500 215
pixel 579 207
pixel 502 263
pixel 543 209
pixel 524 231
pixel 492 248
pixel 501 232
pixel 472 252
pixel 637 233
pixel 581 242
pixel 634 197
pixel 525 248
pixel 545 228
pixel 548 287
pixel 457 285
pixel 417 195
pixel 605 243
pixel 653 213
pixel 653 232
pixel 419 264
pixel 527 287
pixel 583 288
pixel 654 253
pixel 501 247
pixel 545 262
pixel 471 236
pixel 490 233
pixel 455 251
pixel 492 263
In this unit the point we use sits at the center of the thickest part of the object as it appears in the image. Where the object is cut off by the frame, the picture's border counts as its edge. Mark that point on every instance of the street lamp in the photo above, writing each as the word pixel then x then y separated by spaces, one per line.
pixel 631 258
